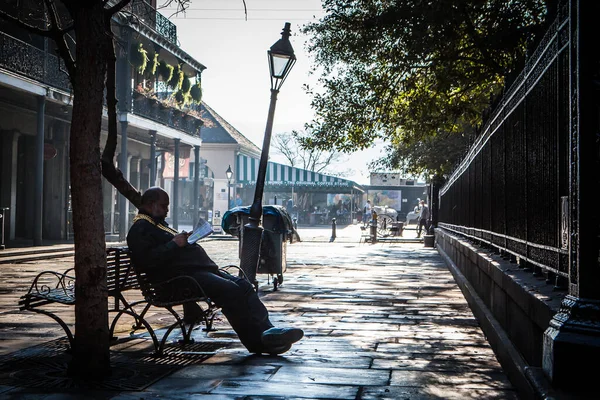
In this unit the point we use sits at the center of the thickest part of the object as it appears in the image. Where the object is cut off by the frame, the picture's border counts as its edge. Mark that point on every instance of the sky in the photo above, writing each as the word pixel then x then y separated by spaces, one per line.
pixel 236 82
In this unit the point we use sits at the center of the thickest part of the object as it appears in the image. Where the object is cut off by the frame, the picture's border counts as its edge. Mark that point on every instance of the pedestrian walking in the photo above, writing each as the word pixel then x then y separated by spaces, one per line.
pixel 424 218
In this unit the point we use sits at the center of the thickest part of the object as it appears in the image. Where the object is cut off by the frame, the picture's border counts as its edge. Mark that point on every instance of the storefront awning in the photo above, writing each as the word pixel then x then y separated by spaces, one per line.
pixel 284 176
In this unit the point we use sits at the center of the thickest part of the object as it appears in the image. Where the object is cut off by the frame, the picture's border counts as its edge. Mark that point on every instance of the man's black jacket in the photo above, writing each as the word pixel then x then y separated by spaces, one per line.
pixel 154 252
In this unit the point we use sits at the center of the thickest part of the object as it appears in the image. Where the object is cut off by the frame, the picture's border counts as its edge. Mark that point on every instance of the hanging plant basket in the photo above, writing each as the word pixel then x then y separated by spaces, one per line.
pixel 177 78
pixel 138 57
pixel 152 65
pixel 186 84
pixel 179 97
pixel 165 71
pixel 196 93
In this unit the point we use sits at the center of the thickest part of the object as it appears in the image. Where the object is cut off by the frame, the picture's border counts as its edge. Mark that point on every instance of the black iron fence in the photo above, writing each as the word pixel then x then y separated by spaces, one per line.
pixel 511 191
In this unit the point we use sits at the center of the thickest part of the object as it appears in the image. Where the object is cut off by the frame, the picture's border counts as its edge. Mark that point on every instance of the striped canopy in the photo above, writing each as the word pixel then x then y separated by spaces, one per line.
pixel 284 176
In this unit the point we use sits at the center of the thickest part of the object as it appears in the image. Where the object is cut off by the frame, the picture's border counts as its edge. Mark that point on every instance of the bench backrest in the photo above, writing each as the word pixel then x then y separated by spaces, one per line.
pixel 174 291
pixel 123 275
pixel 120 274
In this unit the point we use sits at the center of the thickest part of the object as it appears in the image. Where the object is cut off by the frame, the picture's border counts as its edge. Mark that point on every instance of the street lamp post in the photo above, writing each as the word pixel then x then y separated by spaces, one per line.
pixel 281 60
pixel 229 174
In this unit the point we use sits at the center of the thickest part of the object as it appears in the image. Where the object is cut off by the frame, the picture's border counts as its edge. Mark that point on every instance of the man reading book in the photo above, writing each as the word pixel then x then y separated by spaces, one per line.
pixel 164 253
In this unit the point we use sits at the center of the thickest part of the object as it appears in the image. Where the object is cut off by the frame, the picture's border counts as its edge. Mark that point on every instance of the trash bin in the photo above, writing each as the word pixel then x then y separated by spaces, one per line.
pixel 278 228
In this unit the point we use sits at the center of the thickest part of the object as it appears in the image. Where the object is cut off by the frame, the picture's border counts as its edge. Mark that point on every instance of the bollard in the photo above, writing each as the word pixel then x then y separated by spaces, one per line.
pixel 2 218
pixel 332 238
pixel 373 227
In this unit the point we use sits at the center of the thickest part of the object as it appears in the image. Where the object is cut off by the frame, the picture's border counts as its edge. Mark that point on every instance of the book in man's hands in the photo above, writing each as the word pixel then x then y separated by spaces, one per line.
pixel 201 230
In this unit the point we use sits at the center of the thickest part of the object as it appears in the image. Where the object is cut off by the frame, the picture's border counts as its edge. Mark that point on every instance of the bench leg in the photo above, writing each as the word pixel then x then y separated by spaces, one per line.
pixel 60 322
pixel 139 321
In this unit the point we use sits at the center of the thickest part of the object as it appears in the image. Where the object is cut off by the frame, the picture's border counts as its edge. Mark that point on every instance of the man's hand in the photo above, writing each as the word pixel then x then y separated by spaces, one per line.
pixel 181 239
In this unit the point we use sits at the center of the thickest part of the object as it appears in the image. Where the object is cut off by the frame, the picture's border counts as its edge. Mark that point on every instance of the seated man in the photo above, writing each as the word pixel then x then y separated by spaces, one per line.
pixel 163 253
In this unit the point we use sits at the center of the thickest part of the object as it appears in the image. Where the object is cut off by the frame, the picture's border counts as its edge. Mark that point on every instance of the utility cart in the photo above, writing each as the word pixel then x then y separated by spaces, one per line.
pixel 278 228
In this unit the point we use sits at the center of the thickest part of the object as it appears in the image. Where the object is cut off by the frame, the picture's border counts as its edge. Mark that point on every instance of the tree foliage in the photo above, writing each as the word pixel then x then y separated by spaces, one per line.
pixel 414 72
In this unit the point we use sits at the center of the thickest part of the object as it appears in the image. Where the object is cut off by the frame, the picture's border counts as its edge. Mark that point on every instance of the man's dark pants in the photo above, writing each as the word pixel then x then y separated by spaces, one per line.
pixel 239 303
pixel 422 223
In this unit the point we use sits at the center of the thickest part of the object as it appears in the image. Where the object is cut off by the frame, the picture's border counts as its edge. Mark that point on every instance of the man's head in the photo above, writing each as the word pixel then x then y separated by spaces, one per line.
pixel 155 202
pixel 422 202
pixel 369 201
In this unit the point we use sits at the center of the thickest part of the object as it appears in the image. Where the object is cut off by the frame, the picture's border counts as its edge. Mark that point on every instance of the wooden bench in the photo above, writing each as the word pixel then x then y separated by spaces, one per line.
pixel 50 288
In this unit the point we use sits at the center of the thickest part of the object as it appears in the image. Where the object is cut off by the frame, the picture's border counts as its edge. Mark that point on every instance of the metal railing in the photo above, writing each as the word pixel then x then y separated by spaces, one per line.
pixel 511 190
pixel 154 20
pixel 32 62
pixel 155 110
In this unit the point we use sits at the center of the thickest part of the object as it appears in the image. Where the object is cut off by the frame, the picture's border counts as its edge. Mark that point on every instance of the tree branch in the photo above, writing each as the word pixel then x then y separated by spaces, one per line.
pixel 116 8
pixel 112 174
pixel 58 35
pixel 30 28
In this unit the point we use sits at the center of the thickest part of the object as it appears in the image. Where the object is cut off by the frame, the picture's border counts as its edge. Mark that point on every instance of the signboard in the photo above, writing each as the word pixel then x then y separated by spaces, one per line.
pixel 386 179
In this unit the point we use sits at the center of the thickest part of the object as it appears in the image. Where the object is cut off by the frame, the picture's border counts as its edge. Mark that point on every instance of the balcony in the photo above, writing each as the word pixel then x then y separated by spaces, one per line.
pixel 148 16
pixel 32 62
pixel 156 110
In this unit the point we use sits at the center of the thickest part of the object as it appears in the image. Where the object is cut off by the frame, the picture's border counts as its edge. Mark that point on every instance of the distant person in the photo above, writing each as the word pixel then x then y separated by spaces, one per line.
pixel 238 200
pixel 424 218
pixel 367 212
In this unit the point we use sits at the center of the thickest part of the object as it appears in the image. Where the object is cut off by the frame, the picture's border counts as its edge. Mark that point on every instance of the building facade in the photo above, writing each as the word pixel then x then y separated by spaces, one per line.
pixel 158 92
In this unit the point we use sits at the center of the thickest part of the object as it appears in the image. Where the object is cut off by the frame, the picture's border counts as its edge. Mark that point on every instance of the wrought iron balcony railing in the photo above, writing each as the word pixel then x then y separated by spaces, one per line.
pixel 155 110
pixel 29 61
pixel 32 62
pixel 154 20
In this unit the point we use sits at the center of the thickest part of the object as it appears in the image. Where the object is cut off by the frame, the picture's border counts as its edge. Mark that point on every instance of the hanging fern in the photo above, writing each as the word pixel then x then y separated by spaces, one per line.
pixel 177 78
pixel 186 84
pixel 138 57
pixel 196 93
pixel 151 68
pixel 165 71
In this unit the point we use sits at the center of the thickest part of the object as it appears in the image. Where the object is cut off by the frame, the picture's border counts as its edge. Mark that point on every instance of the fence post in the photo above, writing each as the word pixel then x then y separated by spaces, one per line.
pixel 373 227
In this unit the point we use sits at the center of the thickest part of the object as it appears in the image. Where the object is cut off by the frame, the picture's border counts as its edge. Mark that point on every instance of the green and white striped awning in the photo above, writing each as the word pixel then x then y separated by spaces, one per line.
pixel 284 176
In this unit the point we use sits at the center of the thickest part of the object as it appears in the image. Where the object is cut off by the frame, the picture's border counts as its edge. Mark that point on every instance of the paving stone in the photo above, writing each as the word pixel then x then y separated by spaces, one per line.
pixel 381 321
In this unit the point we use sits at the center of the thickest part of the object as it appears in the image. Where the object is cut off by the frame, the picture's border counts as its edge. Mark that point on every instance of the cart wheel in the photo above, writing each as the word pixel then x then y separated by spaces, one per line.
pixel 280 278
pixel 275 282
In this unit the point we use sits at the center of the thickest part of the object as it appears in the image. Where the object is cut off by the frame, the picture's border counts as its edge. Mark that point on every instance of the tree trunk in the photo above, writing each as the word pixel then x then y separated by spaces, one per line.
pixel 91 356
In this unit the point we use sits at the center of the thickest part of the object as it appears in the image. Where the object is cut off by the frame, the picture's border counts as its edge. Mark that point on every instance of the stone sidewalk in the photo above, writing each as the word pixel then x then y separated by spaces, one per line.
pixel 381 321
